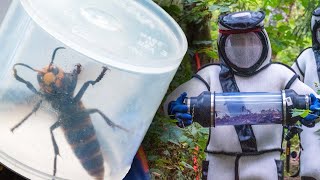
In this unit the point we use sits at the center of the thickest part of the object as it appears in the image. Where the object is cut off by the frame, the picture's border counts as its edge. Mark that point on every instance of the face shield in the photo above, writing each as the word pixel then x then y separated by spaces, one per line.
pixel 243 50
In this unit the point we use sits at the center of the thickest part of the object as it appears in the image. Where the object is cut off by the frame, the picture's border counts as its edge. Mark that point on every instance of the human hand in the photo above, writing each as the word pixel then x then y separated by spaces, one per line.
pixel 309 120
pixel 178 110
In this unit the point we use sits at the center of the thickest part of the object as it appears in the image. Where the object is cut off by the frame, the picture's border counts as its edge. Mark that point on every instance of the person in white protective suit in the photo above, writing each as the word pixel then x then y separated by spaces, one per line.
pixel 307 66
pixel 247 152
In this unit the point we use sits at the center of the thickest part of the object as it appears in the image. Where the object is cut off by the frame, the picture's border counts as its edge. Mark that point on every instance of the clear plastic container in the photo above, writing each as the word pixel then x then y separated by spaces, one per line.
pixel 137 41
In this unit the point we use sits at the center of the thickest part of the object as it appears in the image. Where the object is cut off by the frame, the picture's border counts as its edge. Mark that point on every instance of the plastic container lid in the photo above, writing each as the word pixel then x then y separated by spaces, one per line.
pixel 132 35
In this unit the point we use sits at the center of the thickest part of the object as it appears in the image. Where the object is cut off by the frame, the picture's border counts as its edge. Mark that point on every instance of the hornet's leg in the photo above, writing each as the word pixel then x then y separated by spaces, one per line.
pixel 27 83
pixel 108 121
pixel 86 85
pixel 36 107
pixel 55 146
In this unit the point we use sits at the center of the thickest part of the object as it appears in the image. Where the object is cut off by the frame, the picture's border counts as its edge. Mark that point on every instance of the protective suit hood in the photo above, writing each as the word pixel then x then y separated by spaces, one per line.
pixel 315 29
pixel 243 43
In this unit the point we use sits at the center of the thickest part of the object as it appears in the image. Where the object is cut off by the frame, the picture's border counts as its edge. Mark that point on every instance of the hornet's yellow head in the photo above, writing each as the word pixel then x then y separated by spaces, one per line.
pixel 50 77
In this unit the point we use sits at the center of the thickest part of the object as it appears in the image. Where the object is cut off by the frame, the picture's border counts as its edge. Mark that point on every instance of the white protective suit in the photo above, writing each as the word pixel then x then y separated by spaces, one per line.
pixel 307 66
pixel 225 155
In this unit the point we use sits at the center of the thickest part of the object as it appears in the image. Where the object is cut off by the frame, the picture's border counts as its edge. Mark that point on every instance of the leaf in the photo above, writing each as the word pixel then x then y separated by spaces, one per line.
pixel 174 141
pixel 300 112
pixel 224 9
pixel 186 165
pixel 183 138
pixel 283 28
pixel 296 112
pixel 214 7
pixel 166 152
pixel 204 131
pixel 192 145
pixel 156 172
pixel 194 131
pixel 305 113
pixel 189 141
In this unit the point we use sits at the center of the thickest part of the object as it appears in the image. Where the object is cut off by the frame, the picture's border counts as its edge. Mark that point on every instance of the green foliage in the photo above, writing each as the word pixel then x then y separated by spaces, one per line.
pixel 302 24
pixel 175 151
pixel 187 11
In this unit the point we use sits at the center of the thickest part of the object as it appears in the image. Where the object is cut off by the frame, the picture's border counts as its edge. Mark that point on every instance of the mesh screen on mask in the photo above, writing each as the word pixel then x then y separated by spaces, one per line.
pixel 243 50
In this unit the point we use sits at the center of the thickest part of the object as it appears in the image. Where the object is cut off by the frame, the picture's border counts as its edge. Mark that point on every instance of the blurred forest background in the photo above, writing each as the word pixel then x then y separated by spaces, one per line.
pixel 175 153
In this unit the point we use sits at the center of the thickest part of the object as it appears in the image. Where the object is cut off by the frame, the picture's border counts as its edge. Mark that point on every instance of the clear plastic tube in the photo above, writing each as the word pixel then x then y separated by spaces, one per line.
pixel 239 108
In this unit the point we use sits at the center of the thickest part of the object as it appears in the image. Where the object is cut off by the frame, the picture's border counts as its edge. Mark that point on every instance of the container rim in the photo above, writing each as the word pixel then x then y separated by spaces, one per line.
pixel 166 18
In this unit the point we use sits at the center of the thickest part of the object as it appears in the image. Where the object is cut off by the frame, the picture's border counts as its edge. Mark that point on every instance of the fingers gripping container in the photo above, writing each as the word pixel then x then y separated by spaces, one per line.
pixel 80 83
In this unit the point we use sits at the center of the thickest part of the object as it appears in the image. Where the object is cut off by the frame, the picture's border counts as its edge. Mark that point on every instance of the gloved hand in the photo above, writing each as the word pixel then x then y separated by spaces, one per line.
pixel 178 110
pixel 309 120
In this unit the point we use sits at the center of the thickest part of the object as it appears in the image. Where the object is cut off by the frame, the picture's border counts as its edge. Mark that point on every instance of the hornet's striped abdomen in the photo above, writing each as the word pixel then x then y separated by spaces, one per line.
pixel 80 134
